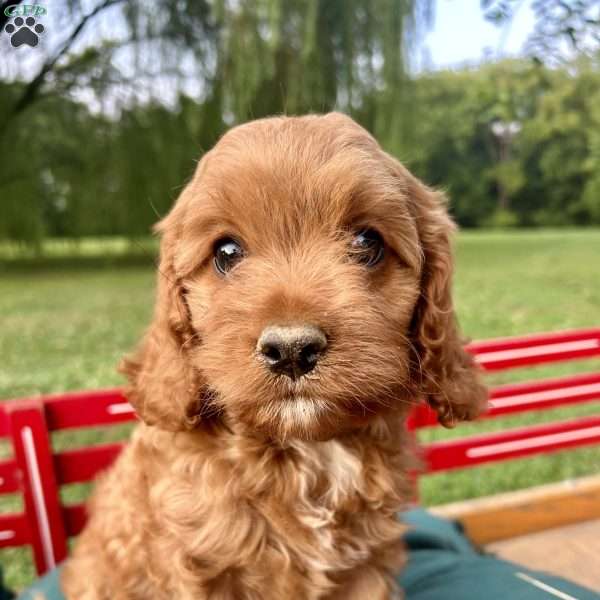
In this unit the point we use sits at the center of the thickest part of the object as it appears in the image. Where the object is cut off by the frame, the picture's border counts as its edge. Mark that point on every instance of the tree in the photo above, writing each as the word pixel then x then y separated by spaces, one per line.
pixel 99 140
pixel 552 173
pixel 227 60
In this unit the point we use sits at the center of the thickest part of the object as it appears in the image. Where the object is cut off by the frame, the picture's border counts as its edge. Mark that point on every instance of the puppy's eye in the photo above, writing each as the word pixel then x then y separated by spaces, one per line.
pixel 227 253
pixel 367 247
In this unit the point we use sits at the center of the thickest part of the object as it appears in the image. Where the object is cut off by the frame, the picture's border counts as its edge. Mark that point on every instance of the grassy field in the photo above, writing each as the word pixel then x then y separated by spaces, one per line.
pixel 66 323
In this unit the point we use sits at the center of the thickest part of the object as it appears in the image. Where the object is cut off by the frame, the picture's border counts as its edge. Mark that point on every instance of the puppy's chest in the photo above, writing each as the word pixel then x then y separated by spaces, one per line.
pixel 319 538
pixel 337 510
pixel 319 513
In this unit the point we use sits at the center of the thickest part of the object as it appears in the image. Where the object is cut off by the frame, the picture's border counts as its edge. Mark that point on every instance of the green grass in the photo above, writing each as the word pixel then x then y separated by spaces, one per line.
pixel 70 249
pixel 67 329
pixel 67 320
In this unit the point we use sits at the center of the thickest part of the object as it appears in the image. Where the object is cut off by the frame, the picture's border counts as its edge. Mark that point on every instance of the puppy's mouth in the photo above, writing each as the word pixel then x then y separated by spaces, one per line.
pixel 304 403
pixel 302 409
pixel 307 408
pixel 298 415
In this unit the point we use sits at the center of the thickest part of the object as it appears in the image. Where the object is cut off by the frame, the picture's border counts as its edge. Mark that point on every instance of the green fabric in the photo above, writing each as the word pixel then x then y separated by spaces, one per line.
pixel 442 565
pixel 48 586
pixel 5 594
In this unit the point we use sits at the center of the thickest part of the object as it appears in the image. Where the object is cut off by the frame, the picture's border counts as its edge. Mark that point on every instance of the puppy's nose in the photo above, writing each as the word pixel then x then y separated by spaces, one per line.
pixel 291 350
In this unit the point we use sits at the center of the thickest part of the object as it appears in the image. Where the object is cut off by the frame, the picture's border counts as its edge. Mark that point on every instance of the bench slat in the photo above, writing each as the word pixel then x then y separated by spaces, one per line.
pixel 525 441
pixel 75 517
pixel 507 353
pixel 545 394
pixel 527 396
pixel 83 464
pixel 14 530
pixel 31 445
pixel 534 339
pixel 10 480
pixel 85 409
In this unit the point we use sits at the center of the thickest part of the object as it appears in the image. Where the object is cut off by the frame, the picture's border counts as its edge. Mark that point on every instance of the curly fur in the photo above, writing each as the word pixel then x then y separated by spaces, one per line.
pixel 243 485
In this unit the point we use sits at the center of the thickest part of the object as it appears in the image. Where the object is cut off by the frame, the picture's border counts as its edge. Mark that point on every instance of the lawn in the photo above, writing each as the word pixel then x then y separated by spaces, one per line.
pixel 66 323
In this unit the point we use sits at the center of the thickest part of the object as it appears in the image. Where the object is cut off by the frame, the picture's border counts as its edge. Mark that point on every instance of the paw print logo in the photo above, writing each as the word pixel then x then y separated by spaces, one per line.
pixel 24 31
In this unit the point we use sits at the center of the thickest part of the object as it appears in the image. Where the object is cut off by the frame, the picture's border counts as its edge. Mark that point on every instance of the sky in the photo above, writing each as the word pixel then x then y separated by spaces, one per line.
pixel 460 34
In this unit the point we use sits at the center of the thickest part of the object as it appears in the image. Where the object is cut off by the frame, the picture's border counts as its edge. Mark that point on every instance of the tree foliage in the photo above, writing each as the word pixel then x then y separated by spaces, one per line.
pixel 100 140
pixel 553 170
pixel 168 80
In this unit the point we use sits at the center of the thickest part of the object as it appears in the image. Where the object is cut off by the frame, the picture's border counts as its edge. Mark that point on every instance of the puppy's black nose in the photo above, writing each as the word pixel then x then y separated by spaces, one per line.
pixel 291 350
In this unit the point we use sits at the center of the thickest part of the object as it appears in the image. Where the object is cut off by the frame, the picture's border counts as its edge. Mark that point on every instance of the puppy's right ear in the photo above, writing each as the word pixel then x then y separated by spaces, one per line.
pixel 164 388
pixel 450 379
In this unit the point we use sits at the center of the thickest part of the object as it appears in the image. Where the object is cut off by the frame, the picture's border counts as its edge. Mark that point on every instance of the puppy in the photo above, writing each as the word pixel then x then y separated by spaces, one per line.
pixel 303 308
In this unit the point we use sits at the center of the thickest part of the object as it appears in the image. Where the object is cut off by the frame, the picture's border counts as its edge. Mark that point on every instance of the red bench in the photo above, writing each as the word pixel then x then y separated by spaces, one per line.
pixel 37 472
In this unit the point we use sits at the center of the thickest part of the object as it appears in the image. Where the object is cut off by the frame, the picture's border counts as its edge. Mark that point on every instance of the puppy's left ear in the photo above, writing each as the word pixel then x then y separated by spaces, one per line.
pixel 446 373
pixel 165 388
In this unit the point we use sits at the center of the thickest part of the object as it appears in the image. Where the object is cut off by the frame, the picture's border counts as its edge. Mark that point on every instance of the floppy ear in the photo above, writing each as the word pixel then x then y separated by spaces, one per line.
pixel 164 388
pixel 446 373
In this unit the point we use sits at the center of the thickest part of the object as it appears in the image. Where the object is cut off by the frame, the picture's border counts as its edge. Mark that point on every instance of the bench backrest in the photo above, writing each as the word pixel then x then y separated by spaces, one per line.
pixel 37 472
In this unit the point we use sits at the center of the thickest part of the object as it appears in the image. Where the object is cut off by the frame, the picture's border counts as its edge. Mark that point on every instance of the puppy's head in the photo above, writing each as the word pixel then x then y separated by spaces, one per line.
pixel 304 289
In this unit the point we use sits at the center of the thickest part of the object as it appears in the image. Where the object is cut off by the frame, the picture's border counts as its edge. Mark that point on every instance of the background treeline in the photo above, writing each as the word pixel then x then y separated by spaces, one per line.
pixel 71 173
pixel 101 138
pixel 550 175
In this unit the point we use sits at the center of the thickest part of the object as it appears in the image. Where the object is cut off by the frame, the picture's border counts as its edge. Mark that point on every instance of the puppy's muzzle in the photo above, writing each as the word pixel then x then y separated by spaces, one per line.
pixel 291 350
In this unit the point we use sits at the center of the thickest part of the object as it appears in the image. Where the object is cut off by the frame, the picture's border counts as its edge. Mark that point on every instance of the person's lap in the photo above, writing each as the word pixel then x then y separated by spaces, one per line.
pixel 442 565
